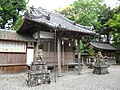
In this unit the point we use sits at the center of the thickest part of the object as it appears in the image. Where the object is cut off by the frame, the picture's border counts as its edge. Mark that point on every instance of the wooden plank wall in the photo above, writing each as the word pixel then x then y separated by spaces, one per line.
pixel 12 58
pixel 13 62
pixel 51 57
pixel 13 68
pixel 69 57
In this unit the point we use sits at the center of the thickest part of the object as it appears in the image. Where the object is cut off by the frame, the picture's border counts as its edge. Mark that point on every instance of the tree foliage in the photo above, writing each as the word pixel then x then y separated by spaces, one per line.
pixel 10 12
pixel 110 24
pixel 114 24
pixel 85 12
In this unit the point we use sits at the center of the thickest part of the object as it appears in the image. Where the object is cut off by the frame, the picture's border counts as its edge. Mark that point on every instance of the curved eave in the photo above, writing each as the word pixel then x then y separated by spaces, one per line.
pixel 27 24
pixel 104 46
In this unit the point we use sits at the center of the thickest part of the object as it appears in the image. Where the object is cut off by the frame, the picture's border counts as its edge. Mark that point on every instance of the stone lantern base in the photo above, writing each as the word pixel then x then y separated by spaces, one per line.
pixel 103 69
pixel 38 74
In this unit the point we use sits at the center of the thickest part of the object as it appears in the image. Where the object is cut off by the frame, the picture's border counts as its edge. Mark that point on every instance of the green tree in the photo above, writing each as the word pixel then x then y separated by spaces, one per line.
pixel 10 11
pixel 103 18
pixel 110 24
pixel 85 12
pixel 114 23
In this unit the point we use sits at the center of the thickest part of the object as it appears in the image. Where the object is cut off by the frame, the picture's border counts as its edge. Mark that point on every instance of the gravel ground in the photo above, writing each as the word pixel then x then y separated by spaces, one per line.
pixel 69 81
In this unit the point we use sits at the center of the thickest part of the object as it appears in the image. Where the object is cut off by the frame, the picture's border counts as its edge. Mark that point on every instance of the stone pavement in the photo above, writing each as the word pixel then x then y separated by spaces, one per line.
pixel 69 81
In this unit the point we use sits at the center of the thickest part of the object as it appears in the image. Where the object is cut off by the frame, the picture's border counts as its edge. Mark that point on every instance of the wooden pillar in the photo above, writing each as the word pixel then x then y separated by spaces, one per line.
pixel 36 49
pixel 78 41
pixel 38 43
pixel 49 51
pixel 59 56
pixel 38 34
pixel 55 57
pixel 73 49
pixel 63 61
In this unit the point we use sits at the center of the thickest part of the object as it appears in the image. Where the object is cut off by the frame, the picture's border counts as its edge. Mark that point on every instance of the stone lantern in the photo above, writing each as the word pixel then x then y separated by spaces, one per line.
pixel 101 67
pixel 38 73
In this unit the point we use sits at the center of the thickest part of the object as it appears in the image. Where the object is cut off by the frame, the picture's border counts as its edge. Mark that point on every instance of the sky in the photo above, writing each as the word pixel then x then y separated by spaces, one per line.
pixel 56 4
pixel 50 4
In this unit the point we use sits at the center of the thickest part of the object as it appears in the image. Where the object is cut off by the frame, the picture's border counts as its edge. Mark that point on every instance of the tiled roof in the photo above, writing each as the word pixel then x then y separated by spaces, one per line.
pixel 13 36
pixel 103 46
pixel 55 20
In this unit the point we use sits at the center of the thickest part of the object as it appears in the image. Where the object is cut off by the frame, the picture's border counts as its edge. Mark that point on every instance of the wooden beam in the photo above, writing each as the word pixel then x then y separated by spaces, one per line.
pixel 59 56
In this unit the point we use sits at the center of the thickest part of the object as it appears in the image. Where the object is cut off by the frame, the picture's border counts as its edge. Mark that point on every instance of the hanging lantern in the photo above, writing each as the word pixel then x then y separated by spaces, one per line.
pixel 69 44
pixel 62 42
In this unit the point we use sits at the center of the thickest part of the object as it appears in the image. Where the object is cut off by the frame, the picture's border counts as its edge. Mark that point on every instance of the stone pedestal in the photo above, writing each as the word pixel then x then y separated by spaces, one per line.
pixel 38 74
pixel 103 69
